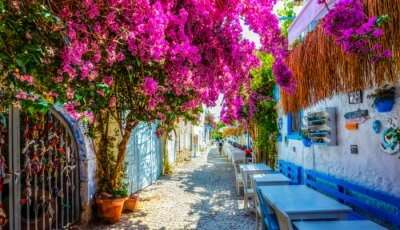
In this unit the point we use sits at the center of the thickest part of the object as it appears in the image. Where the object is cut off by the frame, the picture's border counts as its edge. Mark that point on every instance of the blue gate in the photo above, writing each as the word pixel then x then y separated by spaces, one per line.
pixel 143 159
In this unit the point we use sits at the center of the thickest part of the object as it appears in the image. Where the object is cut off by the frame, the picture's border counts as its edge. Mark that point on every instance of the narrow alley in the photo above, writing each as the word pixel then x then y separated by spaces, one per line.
pixel 199 195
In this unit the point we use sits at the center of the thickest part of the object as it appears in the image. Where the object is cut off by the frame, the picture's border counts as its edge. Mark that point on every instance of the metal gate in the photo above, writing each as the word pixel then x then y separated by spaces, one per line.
pixel 39 172
pixel 143 159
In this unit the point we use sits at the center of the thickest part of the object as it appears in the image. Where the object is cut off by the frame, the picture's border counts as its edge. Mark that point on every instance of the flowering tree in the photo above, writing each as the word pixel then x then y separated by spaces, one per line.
pixel 199 44
pixel 140 60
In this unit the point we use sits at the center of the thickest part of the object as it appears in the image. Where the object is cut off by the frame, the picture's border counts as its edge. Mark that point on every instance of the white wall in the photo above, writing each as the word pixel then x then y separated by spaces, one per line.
pixel 370 167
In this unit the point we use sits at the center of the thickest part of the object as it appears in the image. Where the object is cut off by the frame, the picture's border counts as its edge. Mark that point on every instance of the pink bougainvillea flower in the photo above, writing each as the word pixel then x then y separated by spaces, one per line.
pixel 22 95
pixel 284 76
pixel 189 105
pixel 89 116
pixel 152 103
pixel 26 78
pixel 108 80
pixel 149 86
pixel 70 108
pixel 354 31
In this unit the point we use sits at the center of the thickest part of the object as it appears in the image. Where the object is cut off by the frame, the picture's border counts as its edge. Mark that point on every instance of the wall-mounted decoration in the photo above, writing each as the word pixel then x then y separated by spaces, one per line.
pixel 390 140
pixel 383 99
pixel 321 126
pixel 376 126
pixel 355 97
pixel 354 149
pixel 356 114
pixel 351 125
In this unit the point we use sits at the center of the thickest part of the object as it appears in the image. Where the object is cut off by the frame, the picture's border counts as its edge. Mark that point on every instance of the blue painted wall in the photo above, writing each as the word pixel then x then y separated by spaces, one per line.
pixel 143 158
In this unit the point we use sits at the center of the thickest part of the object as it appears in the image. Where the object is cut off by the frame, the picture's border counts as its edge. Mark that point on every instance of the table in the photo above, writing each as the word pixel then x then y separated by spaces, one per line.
pixel 269 179
pixel 338 225
pixel 255 167
pixel 300 202
pixel 250 169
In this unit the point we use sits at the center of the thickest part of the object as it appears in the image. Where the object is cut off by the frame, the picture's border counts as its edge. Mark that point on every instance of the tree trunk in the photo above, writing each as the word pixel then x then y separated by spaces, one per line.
pixel 121 153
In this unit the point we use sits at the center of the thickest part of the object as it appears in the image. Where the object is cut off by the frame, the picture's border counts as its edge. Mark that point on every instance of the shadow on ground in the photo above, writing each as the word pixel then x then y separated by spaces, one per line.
pixel 219 206
pixel 199 195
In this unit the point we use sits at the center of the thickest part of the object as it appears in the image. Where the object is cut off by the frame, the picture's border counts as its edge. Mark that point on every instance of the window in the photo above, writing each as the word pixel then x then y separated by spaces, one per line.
pixel 294 125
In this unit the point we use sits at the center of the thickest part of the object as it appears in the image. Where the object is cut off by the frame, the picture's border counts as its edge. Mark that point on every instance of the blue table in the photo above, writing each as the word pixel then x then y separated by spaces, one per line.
pixel 337 225
pixel 259 167
pixel 250 169
pixel 269 179
pixel 300 202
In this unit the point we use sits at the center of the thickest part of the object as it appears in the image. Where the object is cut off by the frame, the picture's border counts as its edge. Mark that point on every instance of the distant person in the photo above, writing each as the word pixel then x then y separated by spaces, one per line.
pixel 220 144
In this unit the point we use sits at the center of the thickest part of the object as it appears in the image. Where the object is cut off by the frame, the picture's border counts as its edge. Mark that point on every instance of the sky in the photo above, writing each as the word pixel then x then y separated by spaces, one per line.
pixel 250 35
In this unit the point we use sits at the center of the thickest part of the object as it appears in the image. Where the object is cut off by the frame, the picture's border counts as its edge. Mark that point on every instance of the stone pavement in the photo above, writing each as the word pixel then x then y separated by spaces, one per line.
pixel 199 195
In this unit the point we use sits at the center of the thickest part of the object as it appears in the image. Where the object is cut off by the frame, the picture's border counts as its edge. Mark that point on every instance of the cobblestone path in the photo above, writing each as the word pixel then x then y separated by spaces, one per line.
pixel 199 195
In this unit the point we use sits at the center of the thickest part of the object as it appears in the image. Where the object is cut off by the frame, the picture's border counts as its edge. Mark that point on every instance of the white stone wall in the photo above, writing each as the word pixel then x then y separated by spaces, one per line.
pixel 370 167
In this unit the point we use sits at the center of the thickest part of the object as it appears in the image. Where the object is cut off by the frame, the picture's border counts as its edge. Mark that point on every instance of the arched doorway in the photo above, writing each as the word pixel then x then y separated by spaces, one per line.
pixel 39 172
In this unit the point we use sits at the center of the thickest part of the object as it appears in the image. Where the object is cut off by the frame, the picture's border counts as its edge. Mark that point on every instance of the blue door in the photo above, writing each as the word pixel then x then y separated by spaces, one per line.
pixel 143 159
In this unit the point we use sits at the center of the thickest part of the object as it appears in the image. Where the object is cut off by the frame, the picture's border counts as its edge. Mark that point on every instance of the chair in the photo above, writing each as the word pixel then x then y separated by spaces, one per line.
pixel 266 214
pixel 249 192
pixel 283 220
pixel 238 176
pixel 248 195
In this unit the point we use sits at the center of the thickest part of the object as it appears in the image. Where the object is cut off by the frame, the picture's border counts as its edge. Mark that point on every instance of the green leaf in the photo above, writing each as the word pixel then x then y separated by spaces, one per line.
pixel 2 6
pixel 21 64
pixel 382 20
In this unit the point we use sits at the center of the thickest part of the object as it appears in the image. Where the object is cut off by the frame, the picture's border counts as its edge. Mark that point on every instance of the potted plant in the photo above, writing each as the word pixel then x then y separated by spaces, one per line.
pixel 110 206
pixel 132 203
pixel 384 98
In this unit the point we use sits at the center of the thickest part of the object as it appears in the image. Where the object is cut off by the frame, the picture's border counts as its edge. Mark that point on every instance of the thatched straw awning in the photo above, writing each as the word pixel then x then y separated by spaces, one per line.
pixel 322 69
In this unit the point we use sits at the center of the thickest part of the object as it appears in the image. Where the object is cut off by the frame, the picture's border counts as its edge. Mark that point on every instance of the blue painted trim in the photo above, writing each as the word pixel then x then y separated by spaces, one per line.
pixel 292 171
pixel 345 192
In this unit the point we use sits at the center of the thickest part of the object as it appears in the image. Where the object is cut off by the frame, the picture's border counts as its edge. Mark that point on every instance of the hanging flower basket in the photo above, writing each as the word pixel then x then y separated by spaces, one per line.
pixel 384 98
pixel 384 105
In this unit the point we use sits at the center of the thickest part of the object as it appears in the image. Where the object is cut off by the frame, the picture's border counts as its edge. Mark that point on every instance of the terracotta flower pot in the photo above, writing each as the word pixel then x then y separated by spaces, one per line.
pixel 132 203
pixel 110 209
